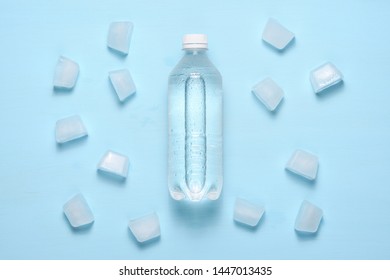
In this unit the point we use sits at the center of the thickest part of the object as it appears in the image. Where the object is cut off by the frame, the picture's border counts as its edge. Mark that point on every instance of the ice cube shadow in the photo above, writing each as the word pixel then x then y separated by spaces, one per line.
pixel 272 114
pixel 281 52
pixel 120 55
pixel 145 244
pixel 306 236
pixel 63 90
pixel 300 179
pixel 72 143
pixel 250 228
pixel 85 229
pixel 120 104
pixel 331 91
pixel 111 178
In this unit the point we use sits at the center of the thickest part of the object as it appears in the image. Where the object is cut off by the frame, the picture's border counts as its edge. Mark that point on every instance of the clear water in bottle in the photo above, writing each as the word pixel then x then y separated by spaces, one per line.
pixel 195 124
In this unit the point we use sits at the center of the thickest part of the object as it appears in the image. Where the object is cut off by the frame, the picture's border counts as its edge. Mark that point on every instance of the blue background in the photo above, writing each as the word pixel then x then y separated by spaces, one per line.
pixel 346 127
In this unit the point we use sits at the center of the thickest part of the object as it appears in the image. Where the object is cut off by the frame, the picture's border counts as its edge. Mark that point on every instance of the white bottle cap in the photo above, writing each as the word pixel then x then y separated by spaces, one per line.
pixel 194 41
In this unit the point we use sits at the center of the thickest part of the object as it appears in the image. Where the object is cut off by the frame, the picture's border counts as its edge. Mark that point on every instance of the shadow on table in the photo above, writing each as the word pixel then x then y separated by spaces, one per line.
pixel 196 214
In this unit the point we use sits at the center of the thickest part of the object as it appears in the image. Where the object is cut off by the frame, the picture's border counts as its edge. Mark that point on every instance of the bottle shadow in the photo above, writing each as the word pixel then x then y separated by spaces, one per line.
pixel 196 215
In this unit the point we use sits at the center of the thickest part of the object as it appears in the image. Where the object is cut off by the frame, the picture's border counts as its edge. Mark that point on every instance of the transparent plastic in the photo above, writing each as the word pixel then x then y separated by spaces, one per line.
pixel 195 128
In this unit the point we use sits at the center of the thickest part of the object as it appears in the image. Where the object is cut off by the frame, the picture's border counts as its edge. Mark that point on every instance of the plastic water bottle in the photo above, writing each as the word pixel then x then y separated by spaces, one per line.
pixel 195 124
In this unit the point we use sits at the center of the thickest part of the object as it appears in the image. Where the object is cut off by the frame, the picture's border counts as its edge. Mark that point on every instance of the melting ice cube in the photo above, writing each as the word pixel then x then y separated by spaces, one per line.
pixel 269 93
pixel 70 128
pixel 78 212
pixel 66 73
pixel 247 213
pixel 304 164
pixel 145 228
pixel 325 76
pixel 276 34
pixel 308 218
pixel 123 83
pixel 119 36
pixel 115 164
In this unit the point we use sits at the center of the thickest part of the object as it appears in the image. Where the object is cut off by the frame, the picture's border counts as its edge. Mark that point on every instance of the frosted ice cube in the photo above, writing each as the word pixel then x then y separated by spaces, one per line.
pixel 119 36
pixel 70 128
pixel 269 93
pixel 276 34
pixel 145 228
pixel 78 212
pixel 304 164
pixel 114 163
pixel 308 218
pixel 66 73
pixel 247 213
pixel 325 76
pixel 123 83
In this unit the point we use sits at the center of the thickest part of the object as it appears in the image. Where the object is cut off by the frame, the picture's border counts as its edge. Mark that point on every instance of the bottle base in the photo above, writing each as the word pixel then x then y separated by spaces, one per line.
pixel 177 195
pixel 195 197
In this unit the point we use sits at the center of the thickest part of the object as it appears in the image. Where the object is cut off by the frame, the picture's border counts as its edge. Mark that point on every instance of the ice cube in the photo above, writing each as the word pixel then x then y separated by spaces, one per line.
pixel 247 213
pixel 308 218
pixel 115 164
pixel 123 83
pixel 70 128
pixel 119 36
pixel 304 164
pixel 78 212
pixel 145 228
pixel 65 74
pixel 325 76
pixel 276 34
pixel 269 93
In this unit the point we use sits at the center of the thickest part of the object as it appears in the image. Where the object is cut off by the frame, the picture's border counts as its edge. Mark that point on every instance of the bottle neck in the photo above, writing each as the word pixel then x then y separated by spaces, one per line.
pixel 195 51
